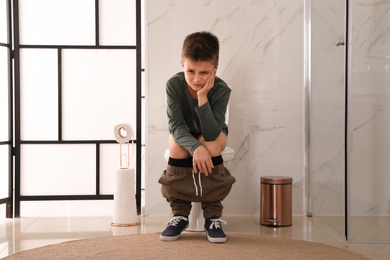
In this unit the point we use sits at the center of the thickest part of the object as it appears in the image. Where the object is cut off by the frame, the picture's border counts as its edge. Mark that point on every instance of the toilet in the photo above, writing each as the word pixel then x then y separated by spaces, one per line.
pixel 196 220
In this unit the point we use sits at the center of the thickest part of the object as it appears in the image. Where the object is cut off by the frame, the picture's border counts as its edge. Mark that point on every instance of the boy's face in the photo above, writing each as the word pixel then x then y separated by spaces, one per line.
pixel 196 73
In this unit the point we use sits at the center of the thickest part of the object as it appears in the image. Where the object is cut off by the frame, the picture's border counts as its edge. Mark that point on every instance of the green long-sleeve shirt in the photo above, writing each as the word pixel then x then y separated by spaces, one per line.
pixel 187 120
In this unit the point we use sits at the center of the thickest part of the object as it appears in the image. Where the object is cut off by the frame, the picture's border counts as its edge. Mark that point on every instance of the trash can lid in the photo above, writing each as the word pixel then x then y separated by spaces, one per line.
pixel 276 180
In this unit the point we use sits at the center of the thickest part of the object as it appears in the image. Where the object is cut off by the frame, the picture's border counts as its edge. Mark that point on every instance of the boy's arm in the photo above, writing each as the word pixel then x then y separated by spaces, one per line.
pixel 212 119
pixel 176 123
pixel 212 116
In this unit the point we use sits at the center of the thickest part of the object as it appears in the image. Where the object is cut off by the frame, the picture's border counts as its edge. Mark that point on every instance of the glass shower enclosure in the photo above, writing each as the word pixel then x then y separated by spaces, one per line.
pixel 349 116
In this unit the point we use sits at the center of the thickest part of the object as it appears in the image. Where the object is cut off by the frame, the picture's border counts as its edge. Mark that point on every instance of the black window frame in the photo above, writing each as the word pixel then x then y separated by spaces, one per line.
pixel 15 198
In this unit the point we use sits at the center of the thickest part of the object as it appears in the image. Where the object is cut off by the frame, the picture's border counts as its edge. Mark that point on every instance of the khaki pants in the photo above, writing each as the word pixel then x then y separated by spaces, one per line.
pixel 181 186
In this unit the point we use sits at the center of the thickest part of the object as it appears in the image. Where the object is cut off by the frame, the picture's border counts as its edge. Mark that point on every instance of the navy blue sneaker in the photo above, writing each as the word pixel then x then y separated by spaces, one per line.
pixel 214 231
pixel 174 228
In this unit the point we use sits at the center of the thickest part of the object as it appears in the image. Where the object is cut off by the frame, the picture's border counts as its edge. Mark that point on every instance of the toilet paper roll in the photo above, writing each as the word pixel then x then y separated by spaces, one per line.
pixel 123 133
pixel 125 208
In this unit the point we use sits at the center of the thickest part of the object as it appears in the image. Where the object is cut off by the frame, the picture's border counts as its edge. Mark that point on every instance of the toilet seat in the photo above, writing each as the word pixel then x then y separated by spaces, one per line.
pixel 228 154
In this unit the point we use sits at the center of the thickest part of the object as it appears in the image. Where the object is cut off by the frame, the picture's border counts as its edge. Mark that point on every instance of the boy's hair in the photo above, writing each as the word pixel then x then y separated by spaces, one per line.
pixel 201 46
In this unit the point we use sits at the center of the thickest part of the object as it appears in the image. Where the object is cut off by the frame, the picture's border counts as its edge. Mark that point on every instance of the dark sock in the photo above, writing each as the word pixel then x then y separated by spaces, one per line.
pixel 213 217
pixel 180 215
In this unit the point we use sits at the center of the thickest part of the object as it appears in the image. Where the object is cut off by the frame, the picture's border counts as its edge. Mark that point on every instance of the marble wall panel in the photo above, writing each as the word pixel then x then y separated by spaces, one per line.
pixel 261 59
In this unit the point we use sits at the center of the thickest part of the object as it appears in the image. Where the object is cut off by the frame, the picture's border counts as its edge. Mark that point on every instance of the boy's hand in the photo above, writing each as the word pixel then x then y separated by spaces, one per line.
pixel 202 94
pixel 202 161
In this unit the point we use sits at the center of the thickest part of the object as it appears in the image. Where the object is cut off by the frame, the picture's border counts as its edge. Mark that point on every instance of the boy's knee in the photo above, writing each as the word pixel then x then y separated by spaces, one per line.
pixel 215 147
pixel 177 151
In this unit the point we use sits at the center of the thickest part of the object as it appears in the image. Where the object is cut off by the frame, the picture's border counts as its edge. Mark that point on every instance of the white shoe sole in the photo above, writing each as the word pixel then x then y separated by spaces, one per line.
pixel 215 239
pixel 169 238
pixel 166 238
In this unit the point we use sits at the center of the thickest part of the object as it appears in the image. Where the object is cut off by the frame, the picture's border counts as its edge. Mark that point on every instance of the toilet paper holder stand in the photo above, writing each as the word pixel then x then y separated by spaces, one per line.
pixel 125 213
pixel 123 133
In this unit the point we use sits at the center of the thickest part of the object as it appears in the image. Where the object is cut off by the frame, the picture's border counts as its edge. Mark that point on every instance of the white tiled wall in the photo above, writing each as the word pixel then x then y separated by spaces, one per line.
pixel 261 59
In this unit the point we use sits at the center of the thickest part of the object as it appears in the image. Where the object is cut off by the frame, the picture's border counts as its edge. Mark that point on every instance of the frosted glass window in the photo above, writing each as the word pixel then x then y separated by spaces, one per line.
pixel 110 163
pixel 99 92
pixel 3 208
pixel 4 170
pixel 117 21
pixel 64 169
pixel 143 167
pixel 39 94
pixel 3 21
pixel 59 22
pixel 4 85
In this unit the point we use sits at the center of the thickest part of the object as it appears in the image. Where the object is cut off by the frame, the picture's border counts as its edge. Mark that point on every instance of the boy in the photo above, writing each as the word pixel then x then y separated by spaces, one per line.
pixel 196 106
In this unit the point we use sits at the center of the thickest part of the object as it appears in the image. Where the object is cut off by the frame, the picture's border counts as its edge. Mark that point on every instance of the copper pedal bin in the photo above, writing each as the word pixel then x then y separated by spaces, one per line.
pixel 276 201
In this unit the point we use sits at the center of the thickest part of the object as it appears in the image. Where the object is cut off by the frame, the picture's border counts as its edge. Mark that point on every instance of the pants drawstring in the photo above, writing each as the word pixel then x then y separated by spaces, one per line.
pixel 200 184
pixel 196 187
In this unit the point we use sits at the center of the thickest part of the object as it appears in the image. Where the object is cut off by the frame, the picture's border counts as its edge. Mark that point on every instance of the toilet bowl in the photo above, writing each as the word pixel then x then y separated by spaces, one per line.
pixel 196 220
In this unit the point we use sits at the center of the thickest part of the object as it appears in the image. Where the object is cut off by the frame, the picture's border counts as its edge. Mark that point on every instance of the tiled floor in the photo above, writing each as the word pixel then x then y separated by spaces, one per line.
pixel 26 233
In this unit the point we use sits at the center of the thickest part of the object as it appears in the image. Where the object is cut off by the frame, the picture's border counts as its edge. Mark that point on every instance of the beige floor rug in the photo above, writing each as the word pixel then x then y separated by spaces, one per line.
pixel 189 246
